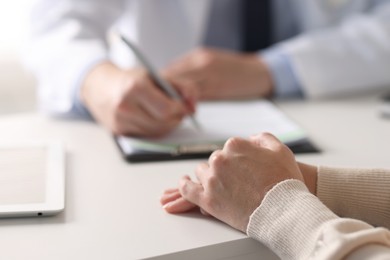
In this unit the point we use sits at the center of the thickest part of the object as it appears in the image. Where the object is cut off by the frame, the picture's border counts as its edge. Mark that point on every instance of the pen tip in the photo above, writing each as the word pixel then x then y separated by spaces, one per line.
pixel 196 124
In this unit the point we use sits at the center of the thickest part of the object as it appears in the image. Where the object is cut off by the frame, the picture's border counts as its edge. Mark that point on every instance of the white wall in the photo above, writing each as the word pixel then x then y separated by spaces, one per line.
pixel 17 87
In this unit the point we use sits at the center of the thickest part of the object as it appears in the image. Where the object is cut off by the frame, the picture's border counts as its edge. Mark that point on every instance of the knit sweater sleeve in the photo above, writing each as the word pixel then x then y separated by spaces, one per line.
pixel 296 225
pixel 362 194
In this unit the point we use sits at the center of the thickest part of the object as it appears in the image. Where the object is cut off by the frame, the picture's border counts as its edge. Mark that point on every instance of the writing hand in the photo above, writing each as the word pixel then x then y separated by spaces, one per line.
pixel 128 102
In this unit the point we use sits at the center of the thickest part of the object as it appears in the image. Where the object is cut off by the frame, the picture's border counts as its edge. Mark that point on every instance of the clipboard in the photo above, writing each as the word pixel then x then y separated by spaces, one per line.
pixel 219 121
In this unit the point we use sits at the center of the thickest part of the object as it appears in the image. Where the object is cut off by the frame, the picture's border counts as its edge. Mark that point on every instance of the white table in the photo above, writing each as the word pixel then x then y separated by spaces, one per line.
pixel 112 207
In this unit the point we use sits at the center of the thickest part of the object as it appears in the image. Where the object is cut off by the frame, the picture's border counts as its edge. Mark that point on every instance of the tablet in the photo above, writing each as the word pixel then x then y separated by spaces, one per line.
pixel 32 179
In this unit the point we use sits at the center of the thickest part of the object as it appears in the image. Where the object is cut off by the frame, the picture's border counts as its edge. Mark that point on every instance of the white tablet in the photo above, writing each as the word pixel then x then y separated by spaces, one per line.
pixel 32 179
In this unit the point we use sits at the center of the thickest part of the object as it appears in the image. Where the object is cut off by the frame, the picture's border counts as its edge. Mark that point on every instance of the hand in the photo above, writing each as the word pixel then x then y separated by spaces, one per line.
pixel 223 75
pixel 174 203
pixel 128 103
pixel 235 180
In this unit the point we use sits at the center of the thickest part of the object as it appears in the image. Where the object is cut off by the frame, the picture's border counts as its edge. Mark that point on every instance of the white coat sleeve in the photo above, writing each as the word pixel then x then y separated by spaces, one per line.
pixel 353 56
pixel 68 37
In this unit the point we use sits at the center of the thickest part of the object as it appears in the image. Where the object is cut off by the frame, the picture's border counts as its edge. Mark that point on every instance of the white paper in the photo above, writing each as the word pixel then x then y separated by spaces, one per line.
pixel 220 121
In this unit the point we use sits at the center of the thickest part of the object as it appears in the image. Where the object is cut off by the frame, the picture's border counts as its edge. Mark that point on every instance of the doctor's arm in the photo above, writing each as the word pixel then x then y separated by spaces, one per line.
pixel 69 55
pixel 222 74
pixel 352 56
pixel 68 38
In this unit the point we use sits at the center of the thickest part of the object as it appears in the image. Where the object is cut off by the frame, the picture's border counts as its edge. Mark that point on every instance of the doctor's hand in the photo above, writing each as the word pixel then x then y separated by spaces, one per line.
pixel 235 180
pixel 129 103
pixel 223 75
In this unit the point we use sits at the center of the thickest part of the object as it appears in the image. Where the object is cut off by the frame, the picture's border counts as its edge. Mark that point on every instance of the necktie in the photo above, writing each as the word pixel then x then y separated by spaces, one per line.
pixel 256 25
pixel 224 25
pixel 239 25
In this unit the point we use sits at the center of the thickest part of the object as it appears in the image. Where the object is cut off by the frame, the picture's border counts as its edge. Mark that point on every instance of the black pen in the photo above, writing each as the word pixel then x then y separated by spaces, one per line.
pixel 159 81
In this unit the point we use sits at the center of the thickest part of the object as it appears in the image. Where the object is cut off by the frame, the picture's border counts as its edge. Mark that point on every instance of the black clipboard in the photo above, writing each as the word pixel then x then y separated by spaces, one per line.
pixel 139 156
pixel 220 121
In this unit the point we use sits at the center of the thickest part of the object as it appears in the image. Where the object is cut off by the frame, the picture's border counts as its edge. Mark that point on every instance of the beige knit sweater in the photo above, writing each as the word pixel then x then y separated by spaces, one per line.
pixel 298 225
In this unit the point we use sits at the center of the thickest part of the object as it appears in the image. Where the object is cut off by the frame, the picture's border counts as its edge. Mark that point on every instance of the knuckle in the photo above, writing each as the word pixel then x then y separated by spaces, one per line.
pixel 183 187
pixel 215 156
pixel 281 147
pixel 285 149
pixel 205 57
pixel 219 162
pixel 133 87
pixel 233 143
pixel 264 135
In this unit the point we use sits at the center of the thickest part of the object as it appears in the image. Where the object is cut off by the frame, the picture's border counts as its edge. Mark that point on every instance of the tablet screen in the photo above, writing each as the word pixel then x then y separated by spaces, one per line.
pixel 22 175
pixel 31 179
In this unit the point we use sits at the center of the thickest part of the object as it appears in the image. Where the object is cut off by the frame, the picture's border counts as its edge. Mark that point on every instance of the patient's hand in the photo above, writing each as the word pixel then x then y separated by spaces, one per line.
pixel 235 180
pixel 173 202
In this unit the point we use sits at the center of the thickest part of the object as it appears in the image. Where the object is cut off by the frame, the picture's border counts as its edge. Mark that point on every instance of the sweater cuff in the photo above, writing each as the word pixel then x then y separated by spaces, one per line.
pixel 288 220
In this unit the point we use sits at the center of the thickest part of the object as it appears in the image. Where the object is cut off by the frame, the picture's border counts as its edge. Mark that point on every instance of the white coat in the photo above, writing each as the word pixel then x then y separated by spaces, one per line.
pixel 344 45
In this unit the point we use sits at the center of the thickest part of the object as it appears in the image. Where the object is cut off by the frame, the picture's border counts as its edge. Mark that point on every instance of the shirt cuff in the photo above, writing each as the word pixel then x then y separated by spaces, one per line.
pixel 286 84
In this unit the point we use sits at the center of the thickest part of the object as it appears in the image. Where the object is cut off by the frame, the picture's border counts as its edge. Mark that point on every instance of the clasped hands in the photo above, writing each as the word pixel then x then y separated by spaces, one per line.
pixel 127 102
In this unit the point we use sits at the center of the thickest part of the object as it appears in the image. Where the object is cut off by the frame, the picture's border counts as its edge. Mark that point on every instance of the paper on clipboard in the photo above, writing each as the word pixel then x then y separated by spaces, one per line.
pixel 220 121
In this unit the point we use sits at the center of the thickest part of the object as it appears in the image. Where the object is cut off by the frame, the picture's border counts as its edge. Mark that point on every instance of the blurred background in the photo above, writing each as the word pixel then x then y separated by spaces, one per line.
pixel 17 86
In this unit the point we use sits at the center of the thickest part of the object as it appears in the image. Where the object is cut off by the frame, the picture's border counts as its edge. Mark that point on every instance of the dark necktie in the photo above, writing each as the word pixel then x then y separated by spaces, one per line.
pixel 239 25
pixel 256 27
pixel 224 25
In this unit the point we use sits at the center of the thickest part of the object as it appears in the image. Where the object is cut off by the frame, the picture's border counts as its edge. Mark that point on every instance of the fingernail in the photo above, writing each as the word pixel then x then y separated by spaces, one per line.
pixel 167 205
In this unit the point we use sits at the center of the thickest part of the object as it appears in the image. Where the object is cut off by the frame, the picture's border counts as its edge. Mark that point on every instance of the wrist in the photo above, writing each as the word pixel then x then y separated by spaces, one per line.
pixel 97 79
pixel 310 176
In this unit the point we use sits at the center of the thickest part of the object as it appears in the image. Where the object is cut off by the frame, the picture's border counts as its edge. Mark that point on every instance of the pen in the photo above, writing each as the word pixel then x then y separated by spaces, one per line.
pixel 159 81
